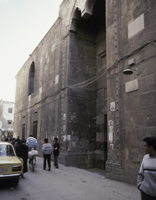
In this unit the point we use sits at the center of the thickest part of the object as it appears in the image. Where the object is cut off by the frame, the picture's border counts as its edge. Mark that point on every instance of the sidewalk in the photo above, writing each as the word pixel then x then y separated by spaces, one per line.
pixel 68 183
pixel 91 184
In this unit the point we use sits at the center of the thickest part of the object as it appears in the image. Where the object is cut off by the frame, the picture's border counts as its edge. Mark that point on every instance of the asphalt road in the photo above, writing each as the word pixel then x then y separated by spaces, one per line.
pixel 68 183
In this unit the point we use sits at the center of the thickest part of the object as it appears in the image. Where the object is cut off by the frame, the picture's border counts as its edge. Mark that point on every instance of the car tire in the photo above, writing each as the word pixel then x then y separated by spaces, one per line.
pixel 15 181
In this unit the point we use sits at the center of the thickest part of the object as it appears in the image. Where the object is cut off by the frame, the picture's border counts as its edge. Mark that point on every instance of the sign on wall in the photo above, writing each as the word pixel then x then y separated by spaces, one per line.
pixel 112 106
pixel 131 86
pixel 64 116
pixel 110 133
pixel 110 137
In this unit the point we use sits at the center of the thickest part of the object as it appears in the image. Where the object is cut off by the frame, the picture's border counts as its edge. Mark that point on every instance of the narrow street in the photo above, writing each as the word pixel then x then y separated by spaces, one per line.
pixel 68 183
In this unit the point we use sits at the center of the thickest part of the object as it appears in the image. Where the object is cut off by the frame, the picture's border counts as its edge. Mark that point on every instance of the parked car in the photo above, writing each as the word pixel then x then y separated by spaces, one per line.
pixel 11 166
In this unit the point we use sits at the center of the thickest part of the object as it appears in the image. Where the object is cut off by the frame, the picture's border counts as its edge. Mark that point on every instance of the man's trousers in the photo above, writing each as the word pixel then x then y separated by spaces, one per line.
pixel 47 158
pixel 145 196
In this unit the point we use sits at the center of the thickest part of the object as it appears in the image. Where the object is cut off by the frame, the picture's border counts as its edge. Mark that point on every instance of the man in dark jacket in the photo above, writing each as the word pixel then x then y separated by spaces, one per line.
pixel 22 152
pixel 14 143
pixel 18 141
pixel 56 148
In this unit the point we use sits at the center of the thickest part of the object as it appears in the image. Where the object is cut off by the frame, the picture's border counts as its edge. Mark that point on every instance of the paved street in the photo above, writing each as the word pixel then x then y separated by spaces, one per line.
pixel 68 183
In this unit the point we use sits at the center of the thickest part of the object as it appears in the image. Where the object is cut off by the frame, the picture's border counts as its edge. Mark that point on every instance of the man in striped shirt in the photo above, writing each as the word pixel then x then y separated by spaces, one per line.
pixel 146 179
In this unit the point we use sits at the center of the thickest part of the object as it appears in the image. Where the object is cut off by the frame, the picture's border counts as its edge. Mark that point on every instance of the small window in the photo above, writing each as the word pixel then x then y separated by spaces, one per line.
pixel 31 79
pixel 10 110
pixel 102 59
pixel 23 130
pixel 9 121
pixel 105 93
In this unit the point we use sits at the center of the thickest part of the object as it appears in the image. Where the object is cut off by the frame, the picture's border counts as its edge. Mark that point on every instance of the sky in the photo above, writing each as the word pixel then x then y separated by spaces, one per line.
pixel 23 24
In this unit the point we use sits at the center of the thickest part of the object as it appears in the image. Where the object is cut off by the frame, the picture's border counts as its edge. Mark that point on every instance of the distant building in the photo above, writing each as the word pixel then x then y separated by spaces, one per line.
pixel 6 118
pixel 73 87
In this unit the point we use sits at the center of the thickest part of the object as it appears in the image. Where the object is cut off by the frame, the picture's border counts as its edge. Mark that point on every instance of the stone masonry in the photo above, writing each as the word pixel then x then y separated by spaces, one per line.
pixel 73 87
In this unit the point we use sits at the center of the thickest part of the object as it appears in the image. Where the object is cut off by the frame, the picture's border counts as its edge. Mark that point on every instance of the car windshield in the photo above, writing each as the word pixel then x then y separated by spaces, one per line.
pixel 6 150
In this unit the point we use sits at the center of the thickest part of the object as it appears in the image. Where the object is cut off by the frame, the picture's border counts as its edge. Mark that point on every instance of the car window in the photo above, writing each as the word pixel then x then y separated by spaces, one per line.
pixel 6 150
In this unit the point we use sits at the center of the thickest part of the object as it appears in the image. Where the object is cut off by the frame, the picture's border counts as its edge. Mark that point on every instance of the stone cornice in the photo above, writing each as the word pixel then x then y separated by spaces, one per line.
pixel 101 40
pixel 82 39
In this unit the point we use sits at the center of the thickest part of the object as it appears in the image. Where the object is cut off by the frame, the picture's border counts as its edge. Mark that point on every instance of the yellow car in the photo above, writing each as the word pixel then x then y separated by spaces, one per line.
pixel 11 166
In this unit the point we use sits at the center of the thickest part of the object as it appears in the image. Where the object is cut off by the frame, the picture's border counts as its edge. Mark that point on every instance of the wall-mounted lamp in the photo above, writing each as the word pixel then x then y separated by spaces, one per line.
pixel 129 71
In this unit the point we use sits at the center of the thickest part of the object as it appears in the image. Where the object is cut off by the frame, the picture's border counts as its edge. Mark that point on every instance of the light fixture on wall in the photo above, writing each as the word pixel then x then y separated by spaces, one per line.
pixel 129 71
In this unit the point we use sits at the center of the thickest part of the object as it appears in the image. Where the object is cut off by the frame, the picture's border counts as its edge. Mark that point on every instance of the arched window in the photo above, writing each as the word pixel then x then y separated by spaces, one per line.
pixel 31 79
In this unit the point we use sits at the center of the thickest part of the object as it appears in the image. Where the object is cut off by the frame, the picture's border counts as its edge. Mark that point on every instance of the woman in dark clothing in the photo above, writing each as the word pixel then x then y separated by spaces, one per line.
pixel 22 152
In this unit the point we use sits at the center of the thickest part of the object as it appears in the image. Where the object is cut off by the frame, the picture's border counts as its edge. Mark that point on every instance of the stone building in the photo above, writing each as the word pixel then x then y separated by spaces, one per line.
pixel 73 85
pixel 6 119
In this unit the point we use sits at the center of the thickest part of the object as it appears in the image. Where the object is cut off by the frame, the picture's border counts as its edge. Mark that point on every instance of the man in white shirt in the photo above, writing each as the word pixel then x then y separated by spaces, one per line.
pixel 146 179
pixel 47 151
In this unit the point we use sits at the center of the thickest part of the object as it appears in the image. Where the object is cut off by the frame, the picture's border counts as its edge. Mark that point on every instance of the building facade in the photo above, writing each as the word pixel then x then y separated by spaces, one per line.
pixel 73 86
pixel 6 119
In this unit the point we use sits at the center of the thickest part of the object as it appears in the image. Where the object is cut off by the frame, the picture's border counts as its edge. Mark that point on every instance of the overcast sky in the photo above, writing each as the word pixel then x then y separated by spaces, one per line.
pixel 23 24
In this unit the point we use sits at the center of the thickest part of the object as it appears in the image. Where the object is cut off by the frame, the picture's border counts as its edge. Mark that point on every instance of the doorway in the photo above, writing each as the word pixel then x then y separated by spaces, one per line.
pixel 23 130
pixel 35 124
pixel 105 139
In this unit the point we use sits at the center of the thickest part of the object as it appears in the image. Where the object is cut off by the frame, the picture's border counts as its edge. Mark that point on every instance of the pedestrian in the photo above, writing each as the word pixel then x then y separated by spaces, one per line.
pixel 9 139
pixel 146 179
pixel 22 152
pixel 47 151
pixel 15 144
pixel 56 148
pixel 31 142
pixel 18 141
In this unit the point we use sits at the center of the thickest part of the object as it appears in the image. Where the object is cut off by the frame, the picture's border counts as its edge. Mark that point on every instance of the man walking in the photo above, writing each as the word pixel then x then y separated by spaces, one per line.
pixel 146 179
pixel 56 148
pixel 47 151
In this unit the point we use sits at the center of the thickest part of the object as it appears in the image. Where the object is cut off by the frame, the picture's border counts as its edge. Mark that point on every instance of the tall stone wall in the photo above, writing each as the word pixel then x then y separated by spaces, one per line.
pixel 43 104
pixel 130 36
pixel 73 87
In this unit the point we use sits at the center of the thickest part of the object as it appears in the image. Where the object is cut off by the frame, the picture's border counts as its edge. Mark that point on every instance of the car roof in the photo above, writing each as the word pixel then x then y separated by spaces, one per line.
pixel 6 143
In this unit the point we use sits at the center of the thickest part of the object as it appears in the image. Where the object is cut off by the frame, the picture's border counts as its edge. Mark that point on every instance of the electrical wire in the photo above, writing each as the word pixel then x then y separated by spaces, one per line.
pixel 98 75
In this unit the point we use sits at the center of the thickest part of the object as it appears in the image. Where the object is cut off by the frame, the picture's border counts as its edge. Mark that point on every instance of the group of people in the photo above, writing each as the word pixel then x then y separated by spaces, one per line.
pixel 13 141
pixel 146 179
pixel 47 150
pixel 22 147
